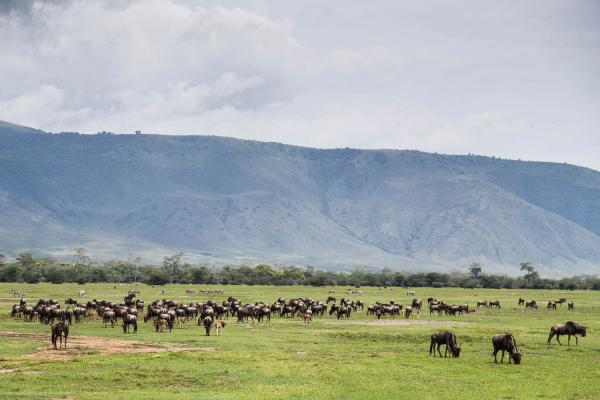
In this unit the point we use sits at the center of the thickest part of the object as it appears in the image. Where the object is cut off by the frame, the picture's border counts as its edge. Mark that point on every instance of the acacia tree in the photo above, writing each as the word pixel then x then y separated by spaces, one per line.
pixel 80 255
pixel 530 273
pixel 475 270
pixel 172 265
pixel 134 271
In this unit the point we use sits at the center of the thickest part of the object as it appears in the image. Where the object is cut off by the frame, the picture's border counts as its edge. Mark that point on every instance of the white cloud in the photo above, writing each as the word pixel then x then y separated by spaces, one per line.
pixel 515 80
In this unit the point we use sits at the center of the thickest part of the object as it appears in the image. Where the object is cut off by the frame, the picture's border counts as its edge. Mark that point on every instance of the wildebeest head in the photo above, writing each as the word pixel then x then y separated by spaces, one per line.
pixel 516 356
pixel 456 351
pixel 576 329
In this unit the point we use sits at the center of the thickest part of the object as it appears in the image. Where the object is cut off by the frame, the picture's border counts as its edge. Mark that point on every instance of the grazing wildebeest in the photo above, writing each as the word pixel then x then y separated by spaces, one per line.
pixel 207 322
pixel 435 308
pixel 408 311
pixel 570 306
pixel 60 331
pixel 129 320
pixel 506 342
pixel 521 301
pixel 71 302
pixel 344 312
pixel 531 304
pixel 16 311
pixel 78 313
pixel 109 317
pixel 447 338
pixel 330 299
pixel 417 303
pixel 569 328
pixel 551 305
pixel 482 303
pixel 494 303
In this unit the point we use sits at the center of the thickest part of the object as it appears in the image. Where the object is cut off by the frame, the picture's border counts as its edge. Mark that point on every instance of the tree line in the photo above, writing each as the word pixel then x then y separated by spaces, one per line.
pixel 30 269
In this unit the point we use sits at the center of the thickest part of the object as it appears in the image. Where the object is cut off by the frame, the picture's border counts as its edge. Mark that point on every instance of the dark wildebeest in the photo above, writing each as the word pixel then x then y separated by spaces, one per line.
pixel 569 328
pixel 416 303
pixel 207 322
pixel 494 303
pixel 129 320
pixel 521 301
pixel 344 312
pixel 16 311
pixel 481 303
pixel 531 304
pixel 447 338
pixel 59 331
pixel 570 306
pixel 551 305
pixel 109 317
pixel 506 342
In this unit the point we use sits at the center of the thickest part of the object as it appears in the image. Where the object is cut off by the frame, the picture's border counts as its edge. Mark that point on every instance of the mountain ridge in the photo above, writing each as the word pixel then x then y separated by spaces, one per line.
pixel 234 200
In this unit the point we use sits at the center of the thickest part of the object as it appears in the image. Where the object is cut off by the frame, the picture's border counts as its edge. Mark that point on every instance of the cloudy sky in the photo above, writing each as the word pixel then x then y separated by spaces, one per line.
pixel 516 79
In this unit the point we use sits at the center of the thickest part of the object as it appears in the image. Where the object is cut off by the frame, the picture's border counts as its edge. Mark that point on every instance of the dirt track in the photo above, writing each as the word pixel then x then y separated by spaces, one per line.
pixel 86 345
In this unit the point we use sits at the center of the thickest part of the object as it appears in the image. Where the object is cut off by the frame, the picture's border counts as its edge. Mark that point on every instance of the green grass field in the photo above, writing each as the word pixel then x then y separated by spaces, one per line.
pixel 328 359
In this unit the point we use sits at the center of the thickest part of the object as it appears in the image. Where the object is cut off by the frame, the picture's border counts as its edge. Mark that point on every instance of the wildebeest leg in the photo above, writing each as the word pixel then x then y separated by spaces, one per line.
pixel 495 355
pixel 550 337
pixel 569 339
pixel 431 347
pixel 502 358
pixel 438 349
pixel 558 339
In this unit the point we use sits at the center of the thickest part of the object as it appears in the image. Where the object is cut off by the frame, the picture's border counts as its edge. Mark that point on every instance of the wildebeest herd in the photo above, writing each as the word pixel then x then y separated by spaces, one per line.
pixel 164 314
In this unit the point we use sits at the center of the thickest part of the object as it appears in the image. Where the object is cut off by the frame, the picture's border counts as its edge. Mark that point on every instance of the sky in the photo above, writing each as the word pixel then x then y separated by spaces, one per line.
pixel 513 79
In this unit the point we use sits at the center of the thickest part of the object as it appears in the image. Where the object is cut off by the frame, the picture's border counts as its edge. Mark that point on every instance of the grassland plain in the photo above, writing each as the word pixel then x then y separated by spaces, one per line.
pixel 329 359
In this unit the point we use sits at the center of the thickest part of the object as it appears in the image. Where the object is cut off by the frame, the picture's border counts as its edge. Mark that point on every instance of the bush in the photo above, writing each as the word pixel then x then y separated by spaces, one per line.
pixel 157 277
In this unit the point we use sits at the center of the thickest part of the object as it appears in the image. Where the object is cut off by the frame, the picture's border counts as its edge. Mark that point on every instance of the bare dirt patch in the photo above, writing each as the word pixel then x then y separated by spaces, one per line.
pixel 85 345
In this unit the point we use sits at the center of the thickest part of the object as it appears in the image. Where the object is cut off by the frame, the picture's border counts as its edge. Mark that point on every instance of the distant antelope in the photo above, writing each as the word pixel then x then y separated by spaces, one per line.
pixel 219 325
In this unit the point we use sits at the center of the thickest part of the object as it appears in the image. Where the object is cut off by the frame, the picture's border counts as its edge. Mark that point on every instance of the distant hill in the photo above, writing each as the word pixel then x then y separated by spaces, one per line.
pixel 230 200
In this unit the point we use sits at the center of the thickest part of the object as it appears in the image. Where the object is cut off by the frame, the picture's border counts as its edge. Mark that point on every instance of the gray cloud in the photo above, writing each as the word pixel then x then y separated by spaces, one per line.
pixel 512 79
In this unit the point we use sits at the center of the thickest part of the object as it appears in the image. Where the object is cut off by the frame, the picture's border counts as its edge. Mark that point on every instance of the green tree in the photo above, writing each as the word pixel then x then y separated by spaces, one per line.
pixel 157 277
pixel 531 275
pixel 80 255
pixel 26 259
pixel 172 265
pixel 475 270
